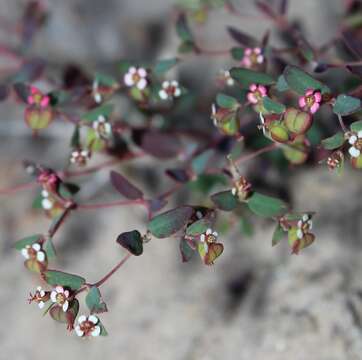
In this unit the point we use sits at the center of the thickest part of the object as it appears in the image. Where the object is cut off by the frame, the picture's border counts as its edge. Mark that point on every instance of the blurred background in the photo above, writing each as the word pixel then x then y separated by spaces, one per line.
pixel 257 301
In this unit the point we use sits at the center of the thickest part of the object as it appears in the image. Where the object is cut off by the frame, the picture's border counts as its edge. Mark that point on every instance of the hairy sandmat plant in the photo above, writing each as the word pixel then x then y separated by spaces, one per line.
pixel 271 101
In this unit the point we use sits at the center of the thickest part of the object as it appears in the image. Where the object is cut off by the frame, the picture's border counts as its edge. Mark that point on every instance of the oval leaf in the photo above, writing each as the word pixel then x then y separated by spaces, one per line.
pixel 225 200
pixel 266 206
pixel 105 110
pixel 247 77
pixel 346 105
pixel 53 277
pixel 170 222
pixel 334 142
pixel 122 185
pixel 29 240
pixel 94 301
pixel 132 241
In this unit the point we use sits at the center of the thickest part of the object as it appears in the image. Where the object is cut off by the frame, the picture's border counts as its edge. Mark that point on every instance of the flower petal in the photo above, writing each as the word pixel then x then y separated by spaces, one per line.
pixel 354 152
pixel 53 296
pixel 96 331
pixel 40 255
pixel 82 318
pixel 59 289
pixel 25 253
pixel 36 247
pixel 93 319
pixel 78 331
pixel 65 305
pixel 142 84
pixel 128 80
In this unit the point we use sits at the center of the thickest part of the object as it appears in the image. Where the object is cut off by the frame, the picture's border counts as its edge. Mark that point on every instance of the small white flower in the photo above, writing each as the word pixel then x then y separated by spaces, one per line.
pixel 356 141
pixel 97 96
pixel 225 74
pixel 136 77
pixel 88 326
pixel 102 127
pixel 304 226
pixel 234 191
pixel 44 193
pixel 199 214
pixel 46 204
pixel 170 89
pixel 79 157
pixel 60 296
pixel 33 252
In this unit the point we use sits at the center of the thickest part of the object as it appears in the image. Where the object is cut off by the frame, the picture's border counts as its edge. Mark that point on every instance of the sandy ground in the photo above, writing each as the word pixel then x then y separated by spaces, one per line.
pixel 256 302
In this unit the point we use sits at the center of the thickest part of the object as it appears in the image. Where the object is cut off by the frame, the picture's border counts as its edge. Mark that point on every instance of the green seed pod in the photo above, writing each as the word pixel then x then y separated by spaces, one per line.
pixel 279 132
pixel 37 118
pixel 298 122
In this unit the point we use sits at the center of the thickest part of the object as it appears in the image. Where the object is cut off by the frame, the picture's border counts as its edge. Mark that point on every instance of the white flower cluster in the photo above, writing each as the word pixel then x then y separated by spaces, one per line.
pixel 136 77
pixel 102 127
pixel 304 226
pixel 208 237
pixel 60 296
pixel 33 252
pixel 356 141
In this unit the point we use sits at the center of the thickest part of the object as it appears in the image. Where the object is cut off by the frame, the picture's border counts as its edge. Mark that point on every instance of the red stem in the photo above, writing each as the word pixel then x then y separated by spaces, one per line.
pixel 112 204
pixel 16 188
pixel 256 153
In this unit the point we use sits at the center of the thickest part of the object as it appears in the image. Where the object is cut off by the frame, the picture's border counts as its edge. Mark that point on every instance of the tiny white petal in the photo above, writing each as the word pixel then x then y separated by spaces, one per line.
pixel 132 70
pixel 260 59
pixel 39 288
pixel 354 152
pixel 96 331
pixel 44 193
pixel 97 98
pixel 142 72
pixel 25 253
pixel 142 84
pixel 36 247
pixel 41 304
pixel 305 217
pixel 165 84
pixel 208 231
pixel 46 204
pixel 310 224
pixel 128 80
pixel 177 92
pixel 174 83
pixel 66 293
pixel 82 318
pixel 95 85
pixel 78 331
pixel 352 139
pixel 65 305
pixel 59 289
pixel 359 134
pixel 300 223
pixel 215 233
pixel 95 125
pixel 300 234
pixel 108 128
pixel 40 255
pixel 163 94
pixel 198 214
pixel 93 319
pixel 53 296
pixel 202 238
pixel 206 247
pixel 42 293
pixel 233 191
pixel 230 82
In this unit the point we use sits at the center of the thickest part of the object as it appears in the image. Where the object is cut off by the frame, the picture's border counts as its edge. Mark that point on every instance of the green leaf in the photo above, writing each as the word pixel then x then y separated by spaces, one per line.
pixel 226 101
pixel 50 249
pixel 68 317
pixel 266 206
pixel 103 329
pixel 281 84
pixel 105 80
pixel 334 142
pixel 299 81
pixel 29 240
pixel 200 162
pixel 278 234
pixel 273 106
pixel 54 277
pixel 198 227
pixel 168 223
pixel 94 301
pixel 186 250
pixel 237 53
pixel 105 110
pixel 75 139
pixel 356 126
pixel 225 200
pixel 183 29
pixel 346 105
pixel 247 77
pixel 163 66
pixel 132 241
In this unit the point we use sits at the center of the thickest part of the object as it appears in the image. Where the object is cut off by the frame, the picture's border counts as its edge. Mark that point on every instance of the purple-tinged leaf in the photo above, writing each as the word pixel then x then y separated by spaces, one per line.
pixel 168 223
pixel 160 145
pixel 123 186
pixel 225 200
pixel 179 175
pixel 242 38
pixel 157 204
pixel 186 250
pixel 54 277
pixel 132 241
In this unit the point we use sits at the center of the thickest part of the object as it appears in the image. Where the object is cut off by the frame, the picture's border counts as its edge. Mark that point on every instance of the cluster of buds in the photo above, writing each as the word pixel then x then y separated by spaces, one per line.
pixel 310 101
pixel 335 160
pixel 208 247
pixel 253 57
pixel 241 189
pixel 80 157
pixel 226 120
pixel 49 180
pixel 170 90
pixel 256 93
pixel 225 78
pixel 300 236
pixel 136 77
pixel 355 140
pixel 38 113
pixel 102 127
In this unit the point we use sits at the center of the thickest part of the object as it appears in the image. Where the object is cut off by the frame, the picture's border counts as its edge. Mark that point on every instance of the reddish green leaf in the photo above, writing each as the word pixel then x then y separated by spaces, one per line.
pixel 123 186
pixel 132 241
